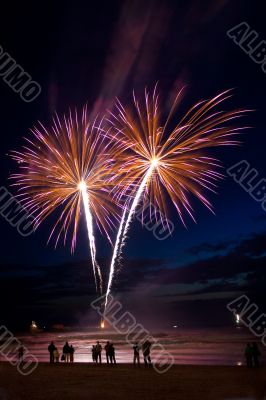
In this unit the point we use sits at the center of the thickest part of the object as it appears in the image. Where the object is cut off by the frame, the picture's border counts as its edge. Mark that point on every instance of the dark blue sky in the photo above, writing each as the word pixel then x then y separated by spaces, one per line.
pixel 91 52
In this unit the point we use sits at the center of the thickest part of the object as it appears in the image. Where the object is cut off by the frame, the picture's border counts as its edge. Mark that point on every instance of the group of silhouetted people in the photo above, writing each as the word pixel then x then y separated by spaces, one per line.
pixel 110 353
pixel 146 351
pixel 96 353
pixel 252 355
pixel 67 353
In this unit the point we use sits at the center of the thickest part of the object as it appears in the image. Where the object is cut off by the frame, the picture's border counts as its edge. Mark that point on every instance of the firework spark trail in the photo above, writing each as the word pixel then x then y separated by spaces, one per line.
pixel 124 226
pixel 116 254
pixel 89 222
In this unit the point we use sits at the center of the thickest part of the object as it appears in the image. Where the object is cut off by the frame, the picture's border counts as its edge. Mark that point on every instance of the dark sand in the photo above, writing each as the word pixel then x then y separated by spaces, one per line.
pixel 86 381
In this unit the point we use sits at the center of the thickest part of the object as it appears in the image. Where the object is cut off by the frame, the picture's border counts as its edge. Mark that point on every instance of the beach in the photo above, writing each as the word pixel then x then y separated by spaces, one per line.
pixel 223 347
pixel 87 381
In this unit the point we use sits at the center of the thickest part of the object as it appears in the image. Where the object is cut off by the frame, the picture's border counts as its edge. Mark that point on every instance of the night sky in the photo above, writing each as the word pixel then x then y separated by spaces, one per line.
pixel 91 52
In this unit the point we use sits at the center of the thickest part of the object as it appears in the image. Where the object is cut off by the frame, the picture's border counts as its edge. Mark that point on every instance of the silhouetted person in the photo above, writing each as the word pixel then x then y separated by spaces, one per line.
pixel 93 354
pixel 146 350
pixel 56 355
pixel 136 354
pixel 248 355
pixel 98 350
pixel 51 349
pixel 112 354
pixel 66 352
pixel 21 353
pixel 71 352
pixel 255 354
pixel 107 352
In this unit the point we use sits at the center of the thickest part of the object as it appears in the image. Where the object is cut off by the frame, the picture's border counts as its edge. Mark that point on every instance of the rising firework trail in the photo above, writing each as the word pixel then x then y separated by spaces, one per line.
pixel 157 162
pixel 65 168
pixel 123 228
pixel 89 221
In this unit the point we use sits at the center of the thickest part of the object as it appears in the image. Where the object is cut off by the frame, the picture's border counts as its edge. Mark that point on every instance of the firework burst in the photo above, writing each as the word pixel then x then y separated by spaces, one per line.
pixel 68 167
pixel 157 162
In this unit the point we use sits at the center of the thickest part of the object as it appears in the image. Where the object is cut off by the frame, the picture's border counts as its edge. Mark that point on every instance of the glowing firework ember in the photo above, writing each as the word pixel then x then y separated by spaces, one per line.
pixel 157 162
pixel 65 167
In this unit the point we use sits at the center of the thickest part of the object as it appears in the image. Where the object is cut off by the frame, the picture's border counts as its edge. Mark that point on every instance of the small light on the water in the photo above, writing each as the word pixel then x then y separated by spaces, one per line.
pixel 239 363
pixel 33 325
pixel 237 320
pixel 102 324
pixel 175 326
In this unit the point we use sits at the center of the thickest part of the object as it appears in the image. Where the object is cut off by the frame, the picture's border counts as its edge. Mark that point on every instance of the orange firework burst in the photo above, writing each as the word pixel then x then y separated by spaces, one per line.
pixel 64 167
pixel 156 160
pixel 175 161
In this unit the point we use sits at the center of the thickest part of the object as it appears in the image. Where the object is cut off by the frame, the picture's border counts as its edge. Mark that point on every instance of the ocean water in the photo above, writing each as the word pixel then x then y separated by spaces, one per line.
pixel 198 347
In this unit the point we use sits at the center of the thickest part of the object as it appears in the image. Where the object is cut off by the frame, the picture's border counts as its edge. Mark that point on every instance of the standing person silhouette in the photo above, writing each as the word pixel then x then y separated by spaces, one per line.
pixel 51 349
pixel 66 352
pixel 21 353
pixel 71 352
pixel 56 355
pixel 255 354
pixel 146 350
pixel 107 352
pixel 93 354
pixel 136 350
pixel 112 354
pixel 248 355
pixel 98 350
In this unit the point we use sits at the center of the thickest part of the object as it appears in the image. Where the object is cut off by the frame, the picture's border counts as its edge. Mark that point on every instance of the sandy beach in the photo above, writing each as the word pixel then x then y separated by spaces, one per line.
pixel 87 381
